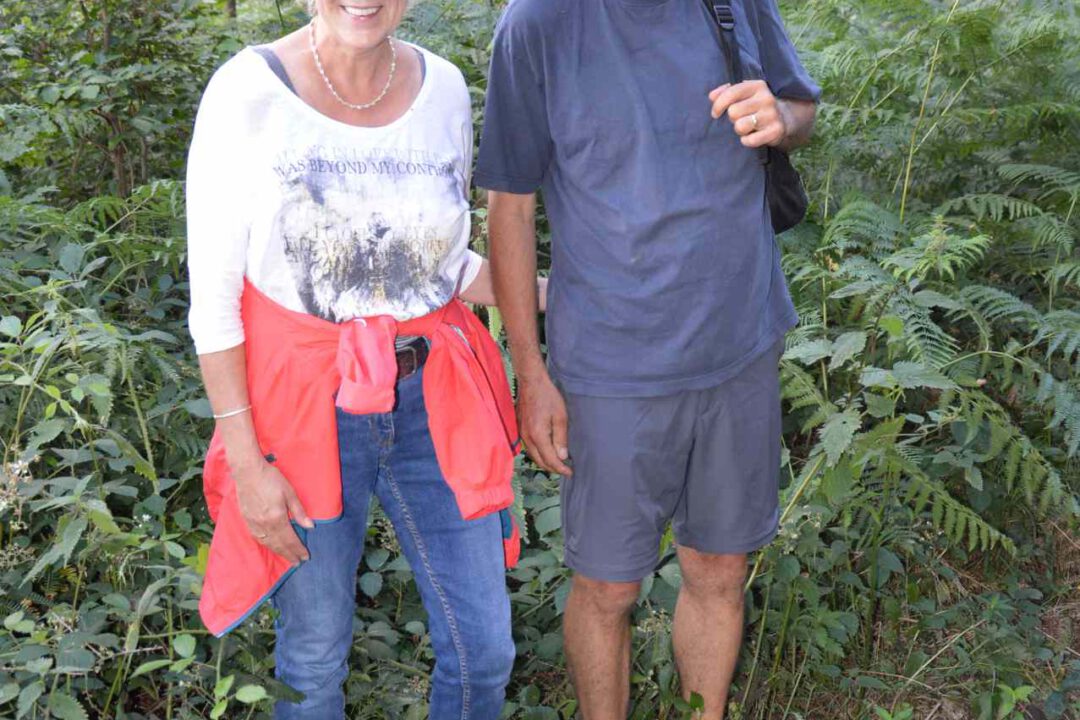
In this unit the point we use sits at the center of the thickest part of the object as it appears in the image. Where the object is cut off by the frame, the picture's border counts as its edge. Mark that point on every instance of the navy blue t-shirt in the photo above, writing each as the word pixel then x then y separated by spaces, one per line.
pixel 665 274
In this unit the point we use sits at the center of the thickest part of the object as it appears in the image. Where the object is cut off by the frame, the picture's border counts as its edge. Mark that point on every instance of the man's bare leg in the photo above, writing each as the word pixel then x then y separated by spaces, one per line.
pixel 596 630
pixel 708 625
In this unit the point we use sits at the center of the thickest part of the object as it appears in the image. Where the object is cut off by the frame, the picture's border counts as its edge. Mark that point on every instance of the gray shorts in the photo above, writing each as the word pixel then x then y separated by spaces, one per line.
pixel 707 460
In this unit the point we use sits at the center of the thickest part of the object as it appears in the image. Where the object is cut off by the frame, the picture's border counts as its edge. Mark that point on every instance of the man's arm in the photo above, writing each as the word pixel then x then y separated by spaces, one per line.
pixel 541 409
pixel 798 120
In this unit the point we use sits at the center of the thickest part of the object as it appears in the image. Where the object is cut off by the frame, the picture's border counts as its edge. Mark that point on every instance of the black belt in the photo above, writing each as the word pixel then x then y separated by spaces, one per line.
pixel 411 357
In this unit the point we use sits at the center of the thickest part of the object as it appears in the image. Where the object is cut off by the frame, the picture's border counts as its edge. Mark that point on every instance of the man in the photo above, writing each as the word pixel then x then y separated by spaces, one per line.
pixel 667 306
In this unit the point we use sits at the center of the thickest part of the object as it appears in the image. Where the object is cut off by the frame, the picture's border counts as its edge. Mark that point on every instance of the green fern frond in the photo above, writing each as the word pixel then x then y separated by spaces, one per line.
pixel 1029 30
pixel 99 212
pixel 923 337
pixel 1066 273
pixel 864 277
pixel 800 389
pixel 956 309
pixel 1050 178
pixel 1048 231
pixel 1007 454
pixel 951 516
pixel 939 253
pixel 518 508
pixel 1041 481
pixel 861 224
pixel 801 269
pixel 166 366
pixel 990 206
pixel 1065 401
pixel 810 326
pixel 997 305
pixel 1060 330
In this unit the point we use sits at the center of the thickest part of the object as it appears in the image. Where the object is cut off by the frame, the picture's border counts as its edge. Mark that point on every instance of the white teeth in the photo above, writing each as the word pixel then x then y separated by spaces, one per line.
pixel 360 12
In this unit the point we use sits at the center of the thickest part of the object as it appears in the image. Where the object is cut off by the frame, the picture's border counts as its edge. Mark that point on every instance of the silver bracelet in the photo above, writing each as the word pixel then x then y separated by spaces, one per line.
pixel 232 412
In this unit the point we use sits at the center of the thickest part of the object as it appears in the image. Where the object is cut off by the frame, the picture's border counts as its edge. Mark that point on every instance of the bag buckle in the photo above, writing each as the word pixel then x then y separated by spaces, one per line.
pixel 724 17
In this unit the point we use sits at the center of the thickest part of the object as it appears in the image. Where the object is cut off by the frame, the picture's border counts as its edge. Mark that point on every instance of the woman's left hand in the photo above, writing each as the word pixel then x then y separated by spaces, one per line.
pixel 481 291
pixel 541 292
pixel 758 116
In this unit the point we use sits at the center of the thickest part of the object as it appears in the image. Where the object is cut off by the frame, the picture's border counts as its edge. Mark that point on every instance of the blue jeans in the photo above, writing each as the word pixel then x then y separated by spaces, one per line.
pixel 458 565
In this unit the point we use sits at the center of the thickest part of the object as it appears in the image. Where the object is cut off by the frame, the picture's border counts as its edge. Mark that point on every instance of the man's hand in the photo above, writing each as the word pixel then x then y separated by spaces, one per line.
pixel 266 499
pixel 542 420
pixel 746 101
pixel 760 118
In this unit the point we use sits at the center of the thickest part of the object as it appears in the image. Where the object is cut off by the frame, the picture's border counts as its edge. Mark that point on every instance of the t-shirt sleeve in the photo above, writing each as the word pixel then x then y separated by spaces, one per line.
pixel 470 261
pixel 784 71
pixel 217 219
pixel 467 137
pixel 515 143
pixel 470 268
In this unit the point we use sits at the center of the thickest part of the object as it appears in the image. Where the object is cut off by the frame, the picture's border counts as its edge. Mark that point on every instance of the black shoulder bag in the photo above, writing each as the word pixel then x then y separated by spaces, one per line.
pixel 783 186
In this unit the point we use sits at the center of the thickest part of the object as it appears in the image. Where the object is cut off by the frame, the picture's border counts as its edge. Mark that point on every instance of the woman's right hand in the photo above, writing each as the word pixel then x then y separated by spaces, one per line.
pixel 265 497
pixel 266 500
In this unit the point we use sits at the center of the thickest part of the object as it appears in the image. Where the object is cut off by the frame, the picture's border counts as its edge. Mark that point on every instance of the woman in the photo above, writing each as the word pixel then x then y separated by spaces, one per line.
pixel 328 224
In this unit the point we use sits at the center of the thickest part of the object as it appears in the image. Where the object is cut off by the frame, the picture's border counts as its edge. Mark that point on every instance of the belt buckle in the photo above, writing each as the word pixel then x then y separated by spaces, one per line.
pixel 405 369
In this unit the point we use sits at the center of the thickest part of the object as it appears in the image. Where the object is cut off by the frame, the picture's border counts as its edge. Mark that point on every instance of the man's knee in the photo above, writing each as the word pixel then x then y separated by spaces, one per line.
pixel 713 577
pixel 604 597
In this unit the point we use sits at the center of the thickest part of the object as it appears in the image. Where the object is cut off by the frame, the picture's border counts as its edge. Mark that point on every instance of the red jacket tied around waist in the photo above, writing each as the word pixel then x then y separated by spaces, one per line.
pixel 298 368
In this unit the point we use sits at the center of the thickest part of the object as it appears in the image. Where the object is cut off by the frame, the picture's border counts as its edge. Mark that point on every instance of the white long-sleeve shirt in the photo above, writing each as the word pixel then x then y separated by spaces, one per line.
pixel 325 217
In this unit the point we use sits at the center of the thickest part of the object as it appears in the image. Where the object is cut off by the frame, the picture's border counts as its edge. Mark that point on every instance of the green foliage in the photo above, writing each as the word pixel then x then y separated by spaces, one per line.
pixel 97 90
pixel 932 407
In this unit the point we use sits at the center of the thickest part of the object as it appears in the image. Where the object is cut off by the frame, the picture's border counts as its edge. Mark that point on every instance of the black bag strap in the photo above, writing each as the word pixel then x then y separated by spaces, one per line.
pixel 724 19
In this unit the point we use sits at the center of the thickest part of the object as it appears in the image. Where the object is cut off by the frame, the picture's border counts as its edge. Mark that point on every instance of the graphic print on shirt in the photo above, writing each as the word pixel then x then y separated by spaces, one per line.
pixel 351 234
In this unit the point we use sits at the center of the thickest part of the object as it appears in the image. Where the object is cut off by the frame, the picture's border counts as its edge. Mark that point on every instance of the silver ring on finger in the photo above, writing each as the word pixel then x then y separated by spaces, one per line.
pixel 753 121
